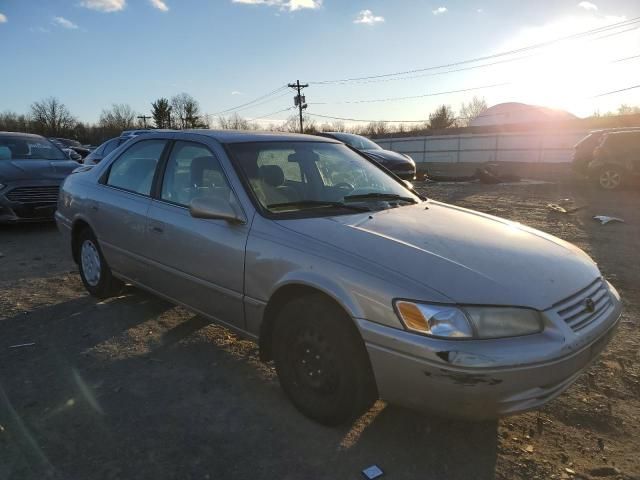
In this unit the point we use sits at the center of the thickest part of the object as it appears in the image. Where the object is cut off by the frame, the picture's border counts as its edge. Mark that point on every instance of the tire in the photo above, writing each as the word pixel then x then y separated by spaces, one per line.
pixel 321 361
pixel 94 270
pixel 610 177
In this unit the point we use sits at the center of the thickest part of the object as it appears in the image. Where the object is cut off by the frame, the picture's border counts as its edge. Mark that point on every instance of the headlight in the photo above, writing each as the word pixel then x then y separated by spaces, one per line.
pixel 468 322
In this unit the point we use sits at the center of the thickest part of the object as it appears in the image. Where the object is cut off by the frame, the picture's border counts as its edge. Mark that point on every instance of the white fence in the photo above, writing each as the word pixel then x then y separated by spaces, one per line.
pixel 542 147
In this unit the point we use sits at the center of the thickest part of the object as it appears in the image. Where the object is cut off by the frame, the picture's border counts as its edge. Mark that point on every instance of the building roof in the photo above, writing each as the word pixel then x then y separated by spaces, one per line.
pixel 514 112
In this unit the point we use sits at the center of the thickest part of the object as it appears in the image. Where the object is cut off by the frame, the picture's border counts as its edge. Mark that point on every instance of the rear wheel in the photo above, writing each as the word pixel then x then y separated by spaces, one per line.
pixel 94 270
pixel 610 177
pixel 321 361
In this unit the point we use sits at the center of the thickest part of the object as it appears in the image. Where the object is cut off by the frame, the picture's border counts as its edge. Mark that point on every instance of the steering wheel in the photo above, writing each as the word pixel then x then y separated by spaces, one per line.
pixel 345 186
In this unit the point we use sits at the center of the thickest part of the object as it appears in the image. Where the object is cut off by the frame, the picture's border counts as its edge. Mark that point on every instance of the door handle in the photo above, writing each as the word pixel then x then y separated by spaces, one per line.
pixel 157 229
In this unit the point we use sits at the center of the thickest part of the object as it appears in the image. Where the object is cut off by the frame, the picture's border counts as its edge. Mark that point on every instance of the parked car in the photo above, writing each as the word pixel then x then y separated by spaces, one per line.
pixel 583 150
pixel 399 163
pixel 31 171
pixel 110 145
pixel 76 150
pixel 104 149
pixel 355 286
pixel 616 160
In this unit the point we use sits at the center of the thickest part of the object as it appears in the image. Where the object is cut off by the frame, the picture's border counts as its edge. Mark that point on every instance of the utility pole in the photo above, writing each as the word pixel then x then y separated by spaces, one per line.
pixel 299 100
pixel 144 119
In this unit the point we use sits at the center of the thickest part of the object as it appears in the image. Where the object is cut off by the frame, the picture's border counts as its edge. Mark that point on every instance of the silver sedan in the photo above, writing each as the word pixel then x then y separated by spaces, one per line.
pixel 356 286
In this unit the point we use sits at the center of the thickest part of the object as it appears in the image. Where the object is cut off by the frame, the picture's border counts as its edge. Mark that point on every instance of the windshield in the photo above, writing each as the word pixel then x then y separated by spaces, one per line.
pixel 323 178
pixel 356 141
pixel 29 148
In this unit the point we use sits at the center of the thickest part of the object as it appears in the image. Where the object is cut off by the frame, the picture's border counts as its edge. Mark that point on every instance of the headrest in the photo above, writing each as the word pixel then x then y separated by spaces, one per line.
pixel 272 175
pixel 200 164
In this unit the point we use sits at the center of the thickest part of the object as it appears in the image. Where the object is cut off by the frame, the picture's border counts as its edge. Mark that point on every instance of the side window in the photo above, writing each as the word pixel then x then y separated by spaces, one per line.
pixel 134 169
pixel 110 146
pixel 193 171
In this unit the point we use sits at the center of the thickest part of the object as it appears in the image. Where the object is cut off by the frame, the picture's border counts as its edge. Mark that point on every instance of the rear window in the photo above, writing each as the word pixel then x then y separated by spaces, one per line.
pixel 29 148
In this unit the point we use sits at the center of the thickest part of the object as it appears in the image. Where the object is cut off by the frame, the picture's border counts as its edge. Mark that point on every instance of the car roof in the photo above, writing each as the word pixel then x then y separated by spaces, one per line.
pixel 20 134
pixel 628 133
pixel 243 136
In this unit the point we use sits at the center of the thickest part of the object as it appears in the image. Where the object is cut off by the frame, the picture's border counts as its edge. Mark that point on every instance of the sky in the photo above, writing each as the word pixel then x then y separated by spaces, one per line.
pixel 94 53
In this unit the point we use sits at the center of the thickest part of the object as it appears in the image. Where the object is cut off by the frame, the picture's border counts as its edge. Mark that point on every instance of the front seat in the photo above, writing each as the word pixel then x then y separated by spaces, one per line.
pixel 273 185
pixel 211 184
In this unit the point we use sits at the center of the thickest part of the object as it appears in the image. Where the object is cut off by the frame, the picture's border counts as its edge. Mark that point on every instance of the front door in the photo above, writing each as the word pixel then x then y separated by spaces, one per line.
pixel 199 262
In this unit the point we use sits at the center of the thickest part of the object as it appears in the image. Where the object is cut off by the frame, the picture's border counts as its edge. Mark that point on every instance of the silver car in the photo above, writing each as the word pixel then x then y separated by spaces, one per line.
pixel 356 286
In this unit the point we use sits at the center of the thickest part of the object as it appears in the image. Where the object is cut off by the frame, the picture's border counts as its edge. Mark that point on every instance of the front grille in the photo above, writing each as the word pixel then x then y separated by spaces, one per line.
pixel 37 194
pixel 584 307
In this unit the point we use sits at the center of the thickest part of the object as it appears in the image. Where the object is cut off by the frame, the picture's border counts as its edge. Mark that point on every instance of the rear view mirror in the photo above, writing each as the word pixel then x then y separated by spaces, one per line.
pixel 215 208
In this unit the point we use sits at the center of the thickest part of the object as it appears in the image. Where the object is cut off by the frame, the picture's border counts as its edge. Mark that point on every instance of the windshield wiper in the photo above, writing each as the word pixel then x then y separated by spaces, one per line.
pixel 318 204
pixel 379 196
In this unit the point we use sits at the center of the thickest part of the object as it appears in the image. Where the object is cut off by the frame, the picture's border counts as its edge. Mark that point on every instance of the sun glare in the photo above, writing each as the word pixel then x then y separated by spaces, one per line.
pixel 568 75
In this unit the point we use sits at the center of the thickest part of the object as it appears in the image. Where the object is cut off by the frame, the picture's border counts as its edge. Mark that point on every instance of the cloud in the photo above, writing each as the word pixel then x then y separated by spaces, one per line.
pixel 64 23
pixel 160 5
pixel 3 18
pixel 104 5
pixel 236 92
pixel 479 10
pixel 439 10
pixel 588 6
pixel 291 5
pixel 368 18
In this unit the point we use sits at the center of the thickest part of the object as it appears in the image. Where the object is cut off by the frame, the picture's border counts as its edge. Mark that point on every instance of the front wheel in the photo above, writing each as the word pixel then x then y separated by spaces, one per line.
pixel 610 177
pixel 94 270
pixel 321 361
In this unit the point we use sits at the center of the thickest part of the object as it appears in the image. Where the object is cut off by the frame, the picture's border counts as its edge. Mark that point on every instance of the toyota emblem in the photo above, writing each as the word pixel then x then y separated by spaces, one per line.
pixel 590 305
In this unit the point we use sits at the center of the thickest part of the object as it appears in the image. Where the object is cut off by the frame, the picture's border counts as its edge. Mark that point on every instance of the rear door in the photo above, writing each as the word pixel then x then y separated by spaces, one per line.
pixel 119 207
pixel 199 262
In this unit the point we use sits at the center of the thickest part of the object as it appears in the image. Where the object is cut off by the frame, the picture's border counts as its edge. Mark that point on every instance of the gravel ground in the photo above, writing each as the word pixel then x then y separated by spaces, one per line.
pixel 137 388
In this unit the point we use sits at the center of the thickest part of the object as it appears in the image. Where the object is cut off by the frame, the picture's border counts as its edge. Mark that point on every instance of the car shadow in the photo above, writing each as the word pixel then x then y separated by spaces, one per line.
pixel 193 401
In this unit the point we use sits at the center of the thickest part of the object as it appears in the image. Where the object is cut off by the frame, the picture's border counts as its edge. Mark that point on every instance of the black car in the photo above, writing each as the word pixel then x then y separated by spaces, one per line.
pixel 583 150
pixel 31 171
pixel 76 150
pixel 616 161
pixel 399 163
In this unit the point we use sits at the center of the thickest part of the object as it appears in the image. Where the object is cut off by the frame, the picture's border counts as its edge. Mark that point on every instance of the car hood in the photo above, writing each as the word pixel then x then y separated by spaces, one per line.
pixel 35 169
pixel 388 157
pixel 469 257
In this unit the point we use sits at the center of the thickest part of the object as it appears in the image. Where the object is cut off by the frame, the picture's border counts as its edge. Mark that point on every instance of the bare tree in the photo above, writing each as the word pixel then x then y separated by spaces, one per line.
pixel 14 122
pixel 442 118
pixel 234 122
pixel 119 117
pixel 469 111
pixel 51 117
pixel 625 109
pixel 186 111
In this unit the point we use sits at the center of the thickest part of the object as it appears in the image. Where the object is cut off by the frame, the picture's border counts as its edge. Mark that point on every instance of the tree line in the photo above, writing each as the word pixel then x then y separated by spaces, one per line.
pixel 52 118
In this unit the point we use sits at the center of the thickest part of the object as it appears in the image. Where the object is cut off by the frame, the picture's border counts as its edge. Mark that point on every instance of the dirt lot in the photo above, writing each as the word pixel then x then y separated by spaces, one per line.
pixel 135 388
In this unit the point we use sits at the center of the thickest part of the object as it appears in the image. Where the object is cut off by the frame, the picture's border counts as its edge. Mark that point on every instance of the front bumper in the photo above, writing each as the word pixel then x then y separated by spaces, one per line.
pixel 33 210
pixel 478 383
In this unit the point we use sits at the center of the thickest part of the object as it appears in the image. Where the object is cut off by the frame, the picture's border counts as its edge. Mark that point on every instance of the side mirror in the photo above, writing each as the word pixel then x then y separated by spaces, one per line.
pixel 215 208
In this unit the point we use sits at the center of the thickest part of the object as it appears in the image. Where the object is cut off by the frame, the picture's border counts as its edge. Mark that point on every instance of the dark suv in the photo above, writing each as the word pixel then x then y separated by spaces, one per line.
pixel 583 150
pixel 616 160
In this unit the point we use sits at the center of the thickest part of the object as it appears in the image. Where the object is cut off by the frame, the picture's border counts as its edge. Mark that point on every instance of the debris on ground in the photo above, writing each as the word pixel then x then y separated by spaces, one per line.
pixel 20 345
pixel 604 219
pixel 556 208
pixel 372 472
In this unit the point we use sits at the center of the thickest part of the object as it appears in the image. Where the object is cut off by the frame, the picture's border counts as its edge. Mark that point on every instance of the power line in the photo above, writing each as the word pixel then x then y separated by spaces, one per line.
pixel 626 58
pixel 393 99
pixel 472 67
pixel 270 114
pixel 457 118
pixel 626 23
pixel 251 102
pixel 616 91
